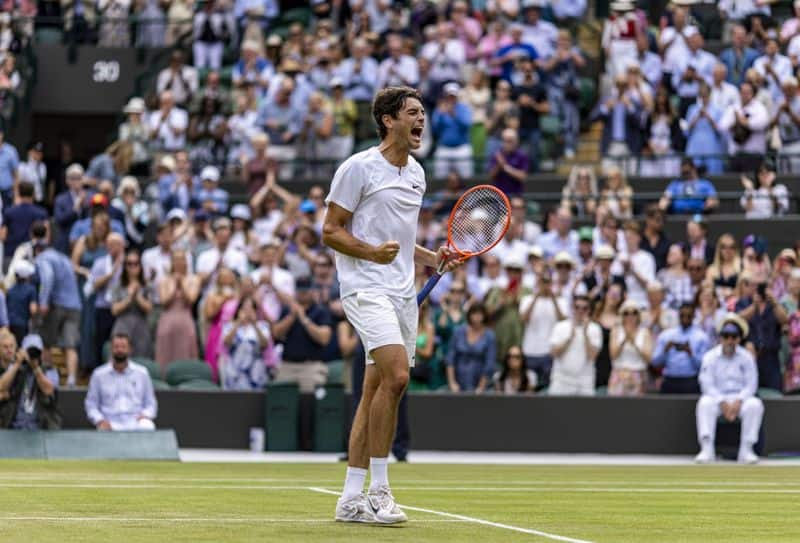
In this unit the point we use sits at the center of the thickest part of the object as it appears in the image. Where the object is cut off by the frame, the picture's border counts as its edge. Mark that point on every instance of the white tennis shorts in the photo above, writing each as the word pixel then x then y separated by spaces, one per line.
pixel 383 320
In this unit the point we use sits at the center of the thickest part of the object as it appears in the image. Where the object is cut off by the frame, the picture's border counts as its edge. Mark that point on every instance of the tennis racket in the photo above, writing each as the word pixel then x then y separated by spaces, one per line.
pixel 478 222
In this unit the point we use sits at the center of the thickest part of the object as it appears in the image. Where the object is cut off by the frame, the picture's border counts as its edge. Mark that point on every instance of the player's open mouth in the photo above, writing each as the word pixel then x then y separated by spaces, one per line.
pixel 416 132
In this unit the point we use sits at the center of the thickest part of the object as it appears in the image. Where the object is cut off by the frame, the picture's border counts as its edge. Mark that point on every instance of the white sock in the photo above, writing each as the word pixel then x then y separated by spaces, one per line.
pixel 379 472
pixel 70 380
pixel 353 482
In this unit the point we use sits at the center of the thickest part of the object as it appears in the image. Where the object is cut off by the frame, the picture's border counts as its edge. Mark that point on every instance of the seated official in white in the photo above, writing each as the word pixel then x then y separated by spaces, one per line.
pixel 729 381
pixel 121 393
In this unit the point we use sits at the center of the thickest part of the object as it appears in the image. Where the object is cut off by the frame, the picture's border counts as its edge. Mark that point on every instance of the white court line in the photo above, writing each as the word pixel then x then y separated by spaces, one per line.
pixel 215 520
pixel 473 520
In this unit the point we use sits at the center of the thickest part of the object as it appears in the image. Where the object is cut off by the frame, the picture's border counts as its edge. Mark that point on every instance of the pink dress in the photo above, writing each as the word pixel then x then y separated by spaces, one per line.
pixel 214 338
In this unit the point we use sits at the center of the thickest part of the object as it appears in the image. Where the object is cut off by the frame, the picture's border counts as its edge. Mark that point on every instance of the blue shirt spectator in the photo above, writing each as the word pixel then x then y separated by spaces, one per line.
pixel 510 53
pixel 279 118
pixel 359 73
pixel 451 129
pixel 470 365
pixel 18 302
pixel 680 350
pixel 57 283
pixel 690 194
pixel 3 311
pixel 17 219
pixel 739 57
pixel 561 238
pixel 9 162
pixel 208 195
pixel 84 226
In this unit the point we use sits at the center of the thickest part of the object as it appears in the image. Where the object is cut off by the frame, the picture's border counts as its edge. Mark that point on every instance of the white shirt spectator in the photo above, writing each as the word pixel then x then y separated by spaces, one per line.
pixel 35 173
pixel 542 36
pixel 738 10
pixel 724 95
pixel 182 84
pixel 486 283
pixel 645 265
pixel 573 372
pixel 678 49
pixel 233 258
pixel 177 120
pixel 536 336
pixel 242 127
pixel 703 62
pixel 757 121
pixel 446 63
pixel 564 9
pixel 121 397
pixel 767 202
pixel 282 281
pixel 651 66
pixel 398 71
pixel 793 49
pixel 629 358
pixel 782 67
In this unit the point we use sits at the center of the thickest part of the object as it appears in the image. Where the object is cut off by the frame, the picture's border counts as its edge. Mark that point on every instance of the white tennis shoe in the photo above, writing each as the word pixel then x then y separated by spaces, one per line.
pixel 383 506
pixel 747 456
pixel 356 509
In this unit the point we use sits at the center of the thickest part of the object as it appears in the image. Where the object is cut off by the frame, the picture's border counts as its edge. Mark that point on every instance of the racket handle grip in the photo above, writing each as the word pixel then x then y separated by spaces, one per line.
pixel 428 287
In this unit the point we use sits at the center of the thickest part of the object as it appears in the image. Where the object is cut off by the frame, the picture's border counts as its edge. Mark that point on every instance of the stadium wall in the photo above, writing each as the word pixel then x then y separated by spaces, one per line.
pixel 649 425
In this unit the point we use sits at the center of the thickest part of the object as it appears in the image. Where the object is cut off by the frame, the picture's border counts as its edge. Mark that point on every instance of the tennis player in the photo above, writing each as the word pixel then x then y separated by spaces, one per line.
pixel 371 223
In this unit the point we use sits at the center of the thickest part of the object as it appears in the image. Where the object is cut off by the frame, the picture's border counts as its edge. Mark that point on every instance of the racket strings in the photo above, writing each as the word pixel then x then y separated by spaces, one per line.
pixel 478 221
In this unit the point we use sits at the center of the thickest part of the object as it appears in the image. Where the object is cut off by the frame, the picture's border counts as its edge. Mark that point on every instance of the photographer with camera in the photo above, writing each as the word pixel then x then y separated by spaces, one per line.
pixel 766 319
pixel 27 388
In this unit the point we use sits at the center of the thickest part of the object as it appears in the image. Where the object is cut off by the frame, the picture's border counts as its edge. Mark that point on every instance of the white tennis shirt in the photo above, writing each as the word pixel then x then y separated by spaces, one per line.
pixel 385 202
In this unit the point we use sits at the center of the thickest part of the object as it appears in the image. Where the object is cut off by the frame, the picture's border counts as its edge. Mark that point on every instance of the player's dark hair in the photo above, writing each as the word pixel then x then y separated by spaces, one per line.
pixel 390 101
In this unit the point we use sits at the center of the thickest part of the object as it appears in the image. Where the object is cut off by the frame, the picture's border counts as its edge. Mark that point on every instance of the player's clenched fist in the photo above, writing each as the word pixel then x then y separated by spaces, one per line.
pixel 385 253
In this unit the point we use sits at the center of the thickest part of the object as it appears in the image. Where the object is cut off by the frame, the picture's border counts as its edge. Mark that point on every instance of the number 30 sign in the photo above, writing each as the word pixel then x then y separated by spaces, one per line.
pixel 105 72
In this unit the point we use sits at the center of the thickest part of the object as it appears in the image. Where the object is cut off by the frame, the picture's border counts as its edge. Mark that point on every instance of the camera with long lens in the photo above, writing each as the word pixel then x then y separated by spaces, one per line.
pixel 34 353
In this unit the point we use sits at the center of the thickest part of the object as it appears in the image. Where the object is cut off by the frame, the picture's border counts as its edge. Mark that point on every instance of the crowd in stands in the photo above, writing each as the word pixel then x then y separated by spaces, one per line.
pixel 145 241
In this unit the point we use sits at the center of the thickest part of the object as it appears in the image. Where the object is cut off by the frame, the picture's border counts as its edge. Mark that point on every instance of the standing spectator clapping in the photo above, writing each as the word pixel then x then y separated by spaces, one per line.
pixel 245 339
pixel 214 28
pixel 769 199
pixel 176 338
pixel 471 356
pixel 631 348
pixel 451 123
pixel 574 346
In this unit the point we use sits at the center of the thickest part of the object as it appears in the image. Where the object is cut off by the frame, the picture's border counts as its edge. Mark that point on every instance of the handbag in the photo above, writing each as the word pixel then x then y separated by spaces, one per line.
pixel 741 133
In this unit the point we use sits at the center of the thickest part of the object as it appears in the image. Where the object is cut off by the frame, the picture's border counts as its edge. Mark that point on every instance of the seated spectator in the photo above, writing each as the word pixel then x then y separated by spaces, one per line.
pixel 630 349
pixel 303 329
pixel 111 165
pixel 766 318
pixel 208 196
pixel 709 313
pixel 514 377
pixel 252 68
pixel 562 238
pixel 580 193
pixel 501 113
pixel 531 97
pixel 178 289
pixel 574 346
pixel 179 79
pixel 729 381
pixel 653 238
pixel 699 247
pixel 131 303
pixel 739 57
pixel 508 167
pixel 747 124
pixel 168 125
pixel 659 316
pixel 617 194
pixel 246 340
pixel 18 219
pixel 206 134
pixel 213 28
pixel 121 396
pixel 34 171
pixel 471 354
pixel 769 199
pixel 622 114
pixel 282 122
pixel 540 311
pixel 675 278
pixel 21 300
pixel 679 351
pixel 689 194
pixel 705 142
pixel 27 386
pixel 451 122
pixel 787 119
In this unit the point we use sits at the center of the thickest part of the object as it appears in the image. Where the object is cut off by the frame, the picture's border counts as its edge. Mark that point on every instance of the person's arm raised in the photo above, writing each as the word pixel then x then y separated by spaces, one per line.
pixel 336 236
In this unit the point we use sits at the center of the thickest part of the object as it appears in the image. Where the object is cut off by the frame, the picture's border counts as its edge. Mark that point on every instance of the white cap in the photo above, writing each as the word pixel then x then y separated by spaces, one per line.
pixel 604 252
pixel 451 89
pixel 790 80
pixel 135 105
pixel 210 173
pixel 337 82
pixel 536 251
pixel 479 214
pixel 241 211
pixel 514 260
pixel 24 269
pixel 167 162
pixel 176 213
pixel 563 257
pixel 32 340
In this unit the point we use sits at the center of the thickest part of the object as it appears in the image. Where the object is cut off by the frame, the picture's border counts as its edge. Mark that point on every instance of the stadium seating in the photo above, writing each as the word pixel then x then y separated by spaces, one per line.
pixel 182 371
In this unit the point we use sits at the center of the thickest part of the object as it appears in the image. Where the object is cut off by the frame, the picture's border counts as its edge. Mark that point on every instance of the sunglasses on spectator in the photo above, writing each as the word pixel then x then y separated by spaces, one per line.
pixel 728 246
pixel 132 262
pixel 695 268
pixel 581 308
pixel 515 356
pixel 457 290
pixel 729 335
pixel 629 313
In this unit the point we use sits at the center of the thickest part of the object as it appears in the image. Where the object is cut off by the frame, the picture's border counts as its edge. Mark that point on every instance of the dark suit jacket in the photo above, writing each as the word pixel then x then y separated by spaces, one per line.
pixel 634 127
pixel 65 216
